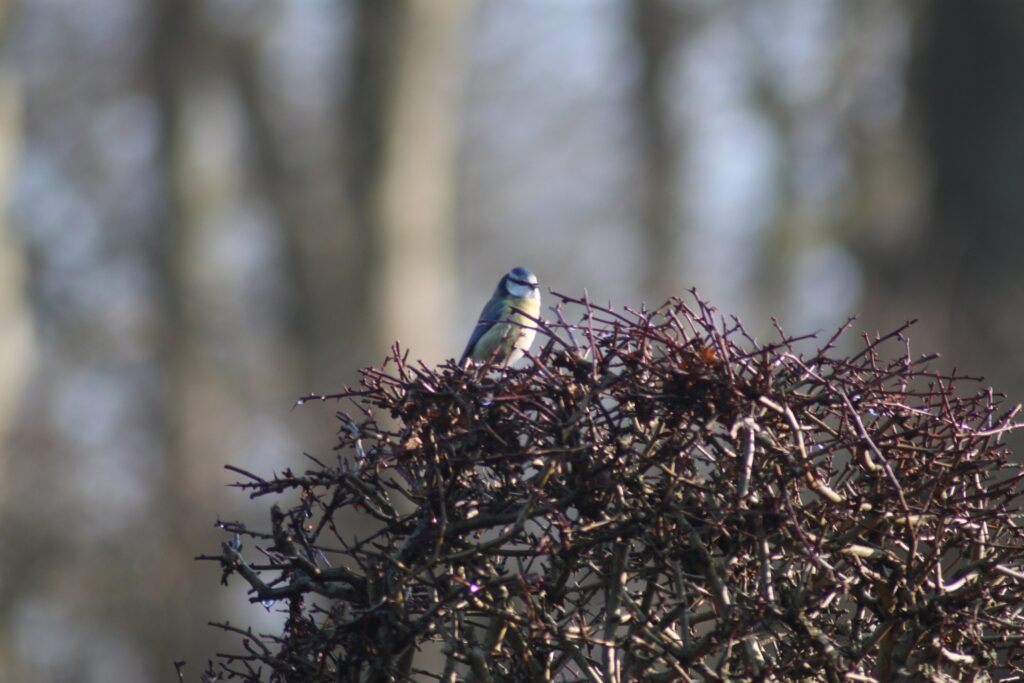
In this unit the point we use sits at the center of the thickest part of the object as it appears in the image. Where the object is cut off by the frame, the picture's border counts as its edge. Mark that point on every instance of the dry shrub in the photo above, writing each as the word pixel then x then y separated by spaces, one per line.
pixel 656 497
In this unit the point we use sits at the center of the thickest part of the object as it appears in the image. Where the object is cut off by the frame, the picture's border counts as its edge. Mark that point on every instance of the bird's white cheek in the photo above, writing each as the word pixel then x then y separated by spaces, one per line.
pixel 522 291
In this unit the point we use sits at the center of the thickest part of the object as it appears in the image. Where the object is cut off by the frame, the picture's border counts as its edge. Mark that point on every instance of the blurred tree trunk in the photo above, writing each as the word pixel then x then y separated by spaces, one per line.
pixel 194 411
pixel 971 96
pixel 961 272
pixel 656 32
pixel 308 202
pixel 402 107
pixel 172 25
pixel 16 348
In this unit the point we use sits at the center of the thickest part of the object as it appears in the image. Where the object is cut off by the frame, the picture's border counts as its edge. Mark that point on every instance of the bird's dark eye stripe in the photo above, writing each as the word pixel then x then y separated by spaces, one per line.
pixel 521 282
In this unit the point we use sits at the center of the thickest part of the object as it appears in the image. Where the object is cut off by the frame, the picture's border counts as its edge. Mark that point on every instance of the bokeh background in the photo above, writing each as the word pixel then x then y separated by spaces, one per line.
pixel 211 207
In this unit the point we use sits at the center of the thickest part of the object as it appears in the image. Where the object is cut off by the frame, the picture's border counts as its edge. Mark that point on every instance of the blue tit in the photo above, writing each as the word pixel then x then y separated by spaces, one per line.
pixel 502 332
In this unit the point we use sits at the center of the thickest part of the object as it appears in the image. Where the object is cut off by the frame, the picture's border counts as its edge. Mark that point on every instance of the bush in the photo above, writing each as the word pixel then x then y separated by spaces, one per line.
pixel 656 497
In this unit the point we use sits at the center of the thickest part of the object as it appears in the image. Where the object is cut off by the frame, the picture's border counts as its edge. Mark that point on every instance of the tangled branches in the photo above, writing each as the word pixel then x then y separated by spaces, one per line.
pixel 656 497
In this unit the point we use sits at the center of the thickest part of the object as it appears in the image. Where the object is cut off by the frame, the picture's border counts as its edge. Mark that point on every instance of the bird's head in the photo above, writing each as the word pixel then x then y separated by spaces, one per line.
pixel 520 283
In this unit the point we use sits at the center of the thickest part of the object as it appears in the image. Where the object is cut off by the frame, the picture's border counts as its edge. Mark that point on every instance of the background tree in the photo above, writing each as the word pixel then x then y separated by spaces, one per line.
pixel 967 104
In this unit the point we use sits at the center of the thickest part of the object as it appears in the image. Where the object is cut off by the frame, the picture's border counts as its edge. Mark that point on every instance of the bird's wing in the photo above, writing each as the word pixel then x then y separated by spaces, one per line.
pixel 492 313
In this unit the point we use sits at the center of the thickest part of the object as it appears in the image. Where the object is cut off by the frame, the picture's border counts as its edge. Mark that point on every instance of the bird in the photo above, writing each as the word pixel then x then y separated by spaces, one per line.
pixel 503 332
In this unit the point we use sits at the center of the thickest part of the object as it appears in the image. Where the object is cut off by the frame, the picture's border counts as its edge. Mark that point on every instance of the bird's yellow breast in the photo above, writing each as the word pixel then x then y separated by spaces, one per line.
pixel 512 334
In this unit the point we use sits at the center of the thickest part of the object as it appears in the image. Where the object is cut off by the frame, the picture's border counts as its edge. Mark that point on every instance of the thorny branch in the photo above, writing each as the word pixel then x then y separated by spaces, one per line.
pixel 655 496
